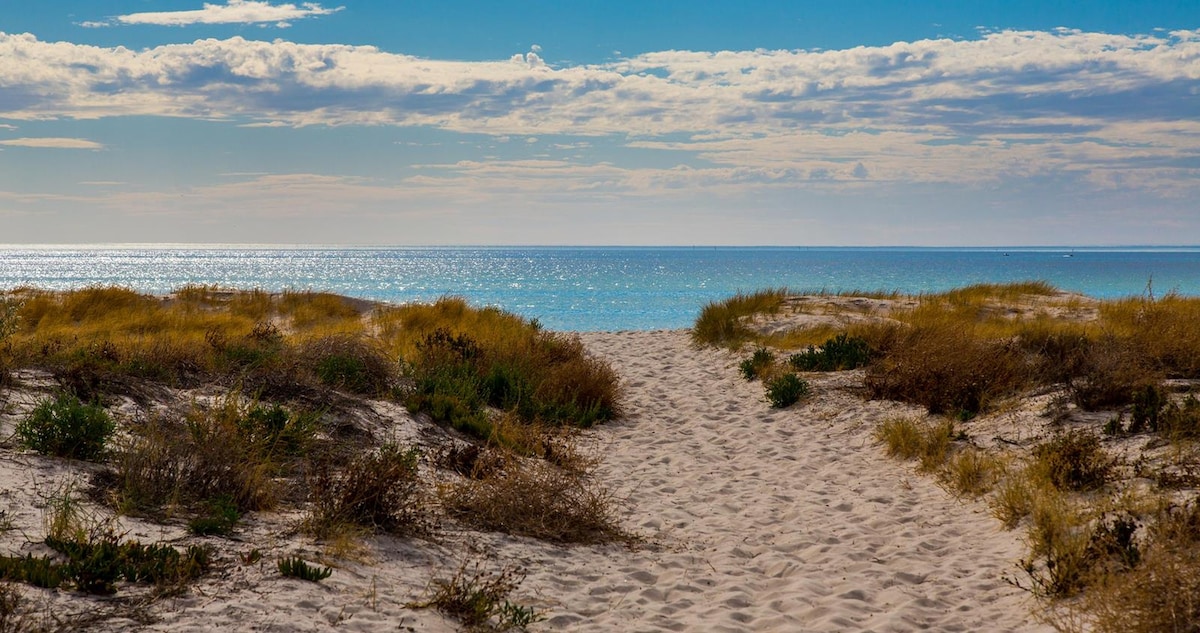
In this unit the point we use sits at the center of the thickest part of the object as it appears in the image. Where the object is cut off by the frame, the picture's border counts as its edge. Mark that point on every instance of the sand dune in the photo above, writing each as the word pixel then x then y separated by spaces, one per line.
pixel 755 519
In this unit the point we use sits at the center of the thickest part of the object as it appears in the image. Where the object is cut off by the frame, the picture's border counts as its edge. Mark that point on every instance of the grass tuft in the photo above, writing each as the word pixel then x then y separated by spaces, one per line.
pixel 66 427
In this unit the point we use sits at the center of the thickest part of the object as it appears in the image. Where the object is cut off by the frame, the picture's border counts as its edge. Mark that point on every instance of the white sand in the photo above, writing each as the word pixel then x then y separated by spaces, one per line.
pixel 756 519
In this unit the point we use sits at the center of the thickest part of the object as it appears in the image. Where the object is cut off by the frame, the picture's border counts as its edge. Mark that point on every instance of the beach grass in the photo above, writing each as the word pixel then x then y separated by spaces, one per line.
pixel 1122 557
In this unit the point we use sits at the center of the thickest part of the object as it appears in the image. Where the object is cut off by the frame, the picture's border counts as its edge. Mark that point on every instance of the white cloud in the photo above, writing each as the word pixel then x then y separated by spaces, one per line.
pixel 233 12
pixel 52 143
pixel 1009 104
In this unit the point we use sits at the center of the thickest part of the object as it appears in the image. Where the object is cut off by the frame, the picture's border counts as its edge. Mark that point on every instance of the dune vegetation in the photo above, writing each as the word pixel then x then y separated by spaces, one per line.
pixel 210 405
pixel 1107 495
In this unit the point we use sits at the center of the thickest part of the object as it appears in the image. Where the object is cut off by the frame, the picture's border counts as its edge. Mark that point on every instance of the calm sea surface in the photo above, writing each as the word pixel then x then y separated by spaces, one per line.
pixel 586 289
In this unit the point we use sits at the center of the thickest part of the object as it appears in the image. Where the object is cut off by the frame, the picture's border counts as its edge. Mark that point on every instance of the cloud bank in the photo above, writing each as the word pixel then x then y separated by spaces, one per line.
pixel 233 12
pixel 1102 110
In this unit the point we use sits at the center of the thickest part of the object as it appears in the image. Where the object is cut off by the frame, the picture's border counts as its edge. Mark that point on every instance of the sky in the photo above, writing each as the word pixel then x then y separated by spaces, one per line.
pixel 587 122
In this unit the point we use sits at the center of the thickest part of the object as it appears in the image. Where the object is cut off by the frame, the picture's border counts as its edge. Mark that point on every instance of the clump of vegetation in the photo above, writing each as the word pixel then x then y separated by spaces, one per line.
pixel 96 564
pixel 758 365
pixel 1074 460
pixel 1160 592
pixel 971 472
pixel 947 369
pixel 376 491
pixel 538 499
pixel 460 364
pixel 912 438
pixel 351 363
pixel 785 390
pixel 65 427
pixel 836 354
pixel 219 517
pixel 232 451
pixel 721 323
pixel 479 599
pixel 296 567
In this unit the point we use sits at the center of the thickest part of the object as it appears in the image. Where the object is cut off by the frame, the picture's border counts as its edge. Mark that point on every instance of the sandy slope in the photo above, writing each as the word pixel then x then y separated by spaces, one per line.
pixel 756 520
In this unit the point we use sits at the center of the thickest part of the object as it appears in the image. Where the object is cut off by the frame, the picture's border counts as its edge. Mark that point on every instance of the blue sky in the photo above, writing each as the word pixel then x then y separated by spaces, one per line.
pixel 665 122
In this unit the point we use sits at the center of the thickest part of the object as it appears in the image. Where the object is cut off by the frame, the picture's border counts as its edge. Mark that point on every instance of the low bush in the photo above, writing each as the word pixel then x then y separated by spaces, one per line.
pixel 948 369
pixel 296 567
pixel 350 363
pixel 538 499
pixel 376 491
pixel 66 427
pixel 1059 563
pixel 1074 460
pixel 785 390
pixel 232 451
pixel 479 599
pixel 1013 499
pixel 758 364
pixel 836 354
pixel 96 564
pixel 540 376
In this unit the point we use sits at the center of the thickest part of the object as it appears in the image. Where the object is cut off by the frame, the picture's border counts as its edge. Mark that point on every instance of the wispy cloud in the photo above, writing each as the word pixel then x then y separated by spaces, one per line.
pixel 233 12
pixel 52 143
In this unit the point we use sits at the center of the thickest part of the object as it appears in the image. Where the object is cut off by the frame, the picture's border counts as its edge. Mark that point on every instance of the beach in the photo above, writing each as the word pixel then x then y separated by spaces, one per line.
pixel 750 519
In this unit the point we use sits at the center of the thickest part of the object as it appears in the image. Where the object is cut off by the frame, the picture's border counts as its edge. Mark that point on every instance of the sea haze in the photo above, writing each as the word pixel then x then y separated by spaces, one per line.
pixel 589 289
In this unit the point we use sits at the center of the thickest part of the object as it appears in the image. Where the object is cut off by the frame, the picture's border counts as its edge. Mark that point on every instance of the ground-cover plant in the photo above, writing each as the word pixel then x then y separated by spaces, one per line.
pixel 785 390
pixel 838 353
pixel 479 599
pixel 971 472
pixel 296 567
pixel 350 362
pixel 218 517
pixel 379 490
pixel 97 562
pixel 65 427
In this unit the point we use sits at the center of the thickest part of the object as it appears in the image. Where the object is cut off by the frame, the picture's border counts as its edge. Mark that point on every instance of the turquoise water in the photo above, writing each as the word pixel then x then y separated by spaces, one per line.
pixel 587 289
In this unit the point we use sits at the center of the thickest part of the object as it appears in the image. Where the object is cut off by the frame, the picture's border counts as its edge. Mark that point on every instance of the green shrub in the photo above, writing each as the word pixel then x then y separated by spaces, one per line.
pixel 758 364
pixel 1074 460
pixel 66 427
pixel 836 354
pixel 295 567
pixel 785 390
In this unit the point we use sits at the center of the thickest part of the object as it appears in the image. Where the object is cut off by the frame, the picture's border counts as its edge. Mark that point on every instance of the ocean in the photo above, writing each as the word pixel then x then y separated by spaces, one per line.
pixel 590 289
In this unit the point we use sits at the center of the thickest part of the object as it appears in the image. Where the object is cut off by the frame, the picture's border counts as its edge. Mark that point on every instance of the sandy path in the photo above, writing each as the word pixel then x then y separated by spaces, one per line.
pixel 757 520
pixel 771 520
